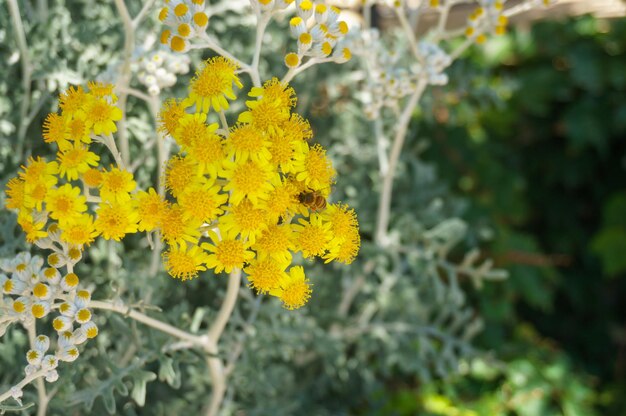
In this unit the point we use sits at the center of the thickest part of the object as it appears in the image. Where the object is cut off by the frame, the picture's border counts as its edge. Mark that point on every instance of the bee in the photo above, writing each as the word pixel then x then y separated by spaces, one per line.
pixel 313 200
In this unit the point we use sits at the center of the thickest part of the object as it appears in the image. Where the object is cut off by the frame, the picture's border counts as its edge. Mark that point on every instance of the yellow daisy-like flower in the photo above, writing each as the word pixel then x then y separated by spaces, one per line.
pixel 175 229
pixel 249 179
pixel 265 275
pixel 282 201
pixel 346 251
pixel 227 252
pixel 116 185
pixel 150 207
pixel 170 115
pixel 39 170
pixel 76 160
pixel 180 173
pixel 248 142
pixel 202 202
pixel 36 195
pixel 212 84
pixel 191 128
pixel 271 109
pixel 101 115
pixel 312 237
pixel 101 90
pixel 275 242
pixel 297 128
pixel 343 221
pixel 65 203
pixel 294 289
pixel 313 167
pixel 16 194
pixel 245 220
pixel 80 231
pixel 55 130
pixel 183 263
pixel 72 100
pixel 208 152
pixel 79 131
pixel 92 177
pixel 115 220
pixel 33 228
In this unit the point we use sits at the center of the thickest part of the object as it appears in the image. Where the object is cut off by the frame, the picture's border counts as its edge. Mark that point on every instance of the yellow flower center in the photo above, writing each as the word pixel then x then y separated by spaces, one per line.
pixel 264 276
pixel 230 253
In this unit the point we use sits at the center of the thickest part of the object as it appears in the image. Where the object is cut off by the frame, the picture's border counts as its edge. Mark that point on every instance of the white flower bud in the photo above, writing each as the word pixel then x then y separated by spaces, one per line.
pixel 52 376
pixel 69 354
pixel 30 369
pixel 42 343
pixel 49 362
pixel 66 339
pixel 62 323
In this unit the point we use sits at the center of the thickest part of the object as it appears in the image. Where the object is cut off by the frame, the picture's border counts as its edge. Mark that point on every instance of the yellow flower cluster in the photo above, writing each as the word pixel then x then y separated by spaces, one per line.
pixel 256 189
pixel 58 191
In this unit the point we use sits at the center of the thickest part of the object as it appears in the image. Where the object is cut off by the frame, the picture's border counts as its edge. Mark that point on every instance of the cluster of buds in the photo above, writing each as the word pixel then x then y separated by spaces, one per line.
pixel 435 62
pixel 186 20
pixel 31 291
pixel 158 70
pixel 319 32
pixel 486 18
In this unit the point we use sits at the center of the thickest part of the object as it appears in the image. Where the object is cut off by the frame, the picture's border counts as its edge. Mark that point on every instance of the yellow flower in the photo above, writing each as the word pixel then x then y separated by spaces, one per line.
pixel 101 115
pixel 265 275
pixel 175 229
pixel 346 251
pixel 116 185
pixel 212 84
pixel 208 152
pixel 65 203
pixel 55 130
pixel 15 191
pixel 245 220
pixel 294 289
pixel 202 202
pixel 192 127
pixel 342 220
pixel 101 90
pixel 150 207
pixel 76 160
pixel 72 100
pixel 312 237
pixel 115 220
pixel 313 167
pixel 80 231
pixel 227 252
pixel 92 177
pixel 271 109
pixel 275 242
pixel 248 179
pixel 33 228
pixel 247 142
pixel 180 172
pixel 39 170
pixel 185 264
pixel 297 128
pixel 79 131
pixel 282 201
pixel 169 116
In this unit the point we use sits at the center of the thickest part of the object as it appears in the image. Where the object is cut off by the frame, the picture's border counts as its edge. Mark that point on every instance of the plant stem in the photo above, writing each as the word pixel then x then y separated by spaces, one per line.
pixel 384 205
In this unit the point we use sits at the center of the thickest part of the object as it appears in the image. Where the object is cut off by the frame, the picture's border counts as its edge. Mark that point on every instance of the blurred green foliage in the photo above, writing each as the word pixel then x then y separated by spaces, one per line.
pixel 535 139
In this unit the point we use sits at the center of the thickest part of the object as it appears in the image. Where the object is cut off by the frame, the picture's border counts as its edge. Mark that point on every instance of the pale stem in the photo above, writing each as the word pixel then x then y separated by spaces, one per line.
pixel 409 33
pixel 384 204
pixel 123 80
pixel 39 383
pixel 211 44
pixel 142 13
pixel 223 120
pixel 109 142
pixel 26 380
pixel 381 146
pixel 262 21
pixel 295 71
pixel 216 366
pixel 27 70
pixel 201 341
pixel 441 24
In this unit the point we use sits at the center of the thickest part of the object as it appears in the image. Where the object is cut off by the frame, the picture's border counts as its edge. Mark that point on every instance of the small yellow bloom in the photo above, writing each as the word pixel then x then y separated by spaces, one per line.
pixel 150 207
pixel 245 220
pixel 313 167
pixel 115 220
pixel 202 202
pixel 55 130
pixel 275 242
pixel 294 289
pixel 191 128
pixel 75 161
pixel 72 100
pixel 183 263
pixel 265 275
pixel 116 185
pixel 170 115
pixel 246 141
pixel 65 203
pixel 312 237
pixel 208 152
pixel 16 194
pixel 101 116
pixel 80 231
pixel 212 84
pixel 227 252
pixel 180 173
pixel 249 179
pixel 176 229
pixel 33 228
